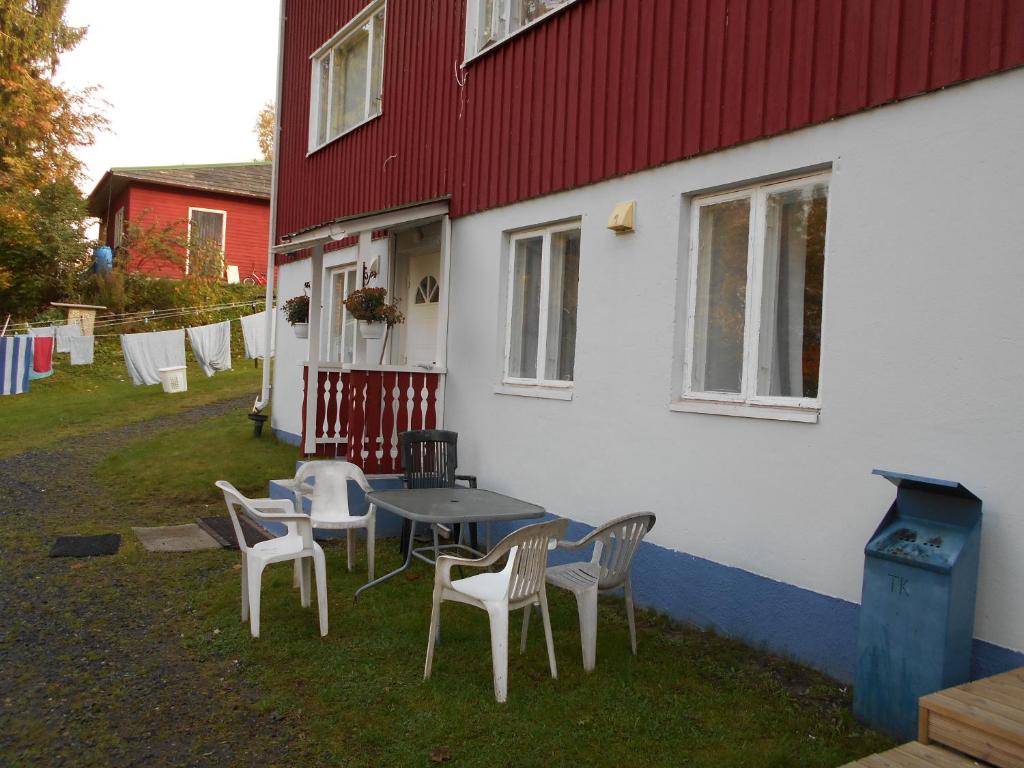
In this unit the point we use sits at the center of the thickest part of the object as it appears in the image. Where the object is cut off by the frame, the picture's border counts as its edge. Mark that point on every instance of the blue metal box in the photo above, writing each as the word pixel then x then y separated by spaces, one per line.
pixel 917 602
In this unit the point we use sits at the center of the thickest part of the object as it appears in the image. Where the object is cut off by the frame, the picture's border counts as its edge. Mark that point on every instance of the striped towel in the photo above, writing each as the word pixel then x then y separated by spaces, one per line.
pixel 15 364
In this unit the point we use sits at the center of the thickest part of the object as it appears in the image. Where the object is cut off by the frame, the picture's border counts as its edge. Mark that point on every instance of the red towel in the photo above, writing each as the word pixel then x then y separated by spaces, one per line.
pixel 42 357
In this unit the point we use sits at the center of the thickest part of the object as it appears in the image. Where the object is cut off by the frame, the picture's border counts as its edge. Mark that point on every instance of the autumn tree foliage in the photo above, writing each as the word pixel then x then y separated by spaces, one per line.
pixel 264 130
pixel 43 250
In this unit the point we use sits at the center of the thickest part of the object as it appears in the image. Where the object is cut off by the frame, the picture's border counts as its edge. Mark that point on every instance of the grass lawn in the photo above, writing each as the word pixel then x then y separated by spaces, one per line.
pixel 357 697
pixel 83 399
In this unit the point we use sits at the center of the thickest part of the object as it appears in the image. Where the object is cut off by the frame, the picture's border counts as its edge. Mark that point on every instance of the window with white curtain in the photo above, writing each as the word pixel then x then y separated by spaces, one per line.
pixel 348 73
pixel 343 326
pixel 544 271
pixel 756 279
pixel 488 22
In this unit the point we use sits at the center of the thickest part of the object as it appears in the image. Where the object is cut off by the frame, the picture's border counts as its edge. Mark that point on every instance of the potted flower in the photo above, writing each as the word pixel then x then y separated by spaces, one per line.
pixel 296 311
pixel 376 317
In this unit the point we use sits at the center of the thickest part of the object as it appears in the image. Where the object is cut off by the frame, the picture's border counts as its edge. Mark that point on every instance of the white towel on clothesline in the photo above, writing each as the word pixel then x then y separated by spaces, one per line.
pixel 65 332
pixel 254 334
pixel 81 349
pixel 146 353
pixel 46 330
pixel 211 344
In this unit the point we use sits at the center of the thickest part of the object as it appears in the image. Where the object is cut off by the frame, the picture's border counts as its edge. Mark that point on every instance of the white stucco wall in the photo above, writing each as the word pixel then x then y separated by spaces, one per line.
pixel 922 365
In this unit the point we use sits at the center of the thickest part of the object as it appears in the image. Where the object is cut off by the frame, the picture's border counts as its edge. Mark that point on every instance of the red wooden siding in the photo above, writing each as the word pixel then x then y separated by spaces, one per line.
pixel 608 87
pixel 247 223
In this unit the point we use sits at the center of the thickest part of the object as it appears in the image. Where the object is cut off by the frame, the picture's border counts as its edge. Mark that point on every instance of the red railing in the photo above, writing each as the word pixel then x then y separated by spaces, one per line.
pixel 360 413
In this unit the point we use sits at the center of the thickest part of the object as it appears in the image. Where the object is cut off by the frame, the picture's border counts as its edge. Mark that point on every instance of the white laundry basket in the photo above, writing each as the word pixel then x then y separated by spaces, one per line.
pixel 173 379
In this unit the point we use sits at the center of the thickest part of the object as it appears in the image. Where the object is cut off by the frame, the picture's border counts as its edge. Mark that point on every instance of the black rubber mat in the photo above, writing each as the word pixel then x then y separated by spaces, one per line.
pixel 224 533
pixel 86 546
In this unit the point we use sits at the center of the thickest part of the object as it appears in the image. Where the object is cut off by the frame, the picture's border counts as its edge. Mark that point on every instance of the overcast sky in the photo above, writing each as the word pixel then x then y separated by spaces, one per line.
pixel 184 80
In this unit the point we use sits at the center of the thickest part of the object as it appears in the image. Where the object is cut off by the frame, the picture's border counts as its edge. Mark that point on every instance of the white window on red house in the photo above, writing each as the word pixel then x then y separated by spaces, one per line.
pixel 206 232
pixel 756 279
pixel 343 325
pixel 118 227
pixel 491 21
pixel 348 74
pixel 544 270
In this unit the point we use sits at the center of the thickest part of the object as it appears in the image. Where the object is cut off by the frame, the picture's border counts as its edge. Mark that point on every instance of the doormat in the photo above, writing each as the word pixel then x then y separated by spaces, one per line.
pixel 223 532
pixel 86 546
pixel 175 538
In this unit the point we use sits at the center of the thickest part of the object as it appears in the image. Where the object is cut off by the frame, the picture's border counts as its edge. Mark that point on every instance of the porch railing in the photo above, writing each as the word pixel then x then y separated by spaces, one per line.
pixel 359 412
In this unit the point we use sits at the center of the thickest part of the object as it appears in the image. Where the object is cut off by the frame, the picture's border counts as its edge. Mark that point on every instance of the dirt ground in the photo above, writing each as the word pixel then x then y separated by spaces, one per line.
pixel 94 669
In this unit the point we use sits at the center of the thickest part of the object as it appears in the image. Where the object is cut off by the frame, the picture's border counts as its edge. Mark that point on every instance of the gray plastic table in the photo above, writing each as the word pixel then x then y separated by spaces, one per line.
pixel 446 506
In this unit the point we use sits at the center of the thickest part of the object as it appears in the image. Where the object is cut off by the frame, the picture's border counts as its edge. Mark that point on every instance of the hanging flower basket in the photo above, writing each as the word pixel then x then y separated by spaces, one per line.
pixel 376 317
pixel 296 312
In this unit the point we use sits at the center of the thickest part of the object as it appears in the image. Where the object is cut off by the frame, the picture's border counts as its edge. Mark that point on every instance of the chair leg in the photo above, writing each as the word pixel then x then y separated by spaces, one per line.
pixel 498 615
pixel 320 566
pixel 245 592
pixel 296 574
pixel 351 544
pixel 586 604
pixel 435 617
pixel 526 627
pixel 629 615
pixel 255 576
pixel 370 545
pixel 547 631
pixel 304 581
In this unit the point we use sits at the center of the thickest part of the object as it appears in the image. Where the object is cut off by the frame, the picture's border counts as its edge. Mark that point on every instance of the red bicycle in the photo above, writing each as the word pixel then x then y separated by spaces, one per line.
pixel 255 279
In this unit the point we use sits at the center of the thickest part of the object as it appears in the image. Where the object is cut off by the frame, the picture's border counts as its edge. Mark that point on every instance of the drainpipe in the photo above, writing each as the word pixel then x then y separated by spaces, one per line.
pixel 264 399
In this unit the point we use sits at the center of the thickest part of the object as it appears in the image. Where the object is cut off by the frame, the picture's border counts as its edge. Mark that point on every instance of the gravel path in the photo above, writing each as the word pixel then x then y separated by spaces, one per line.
pixel 93 669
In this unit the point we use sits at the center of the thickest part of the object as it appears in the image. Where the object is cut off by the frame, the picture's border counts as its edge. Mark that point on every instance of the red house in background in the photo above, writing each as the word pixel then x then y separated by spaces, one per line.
pixel 227 203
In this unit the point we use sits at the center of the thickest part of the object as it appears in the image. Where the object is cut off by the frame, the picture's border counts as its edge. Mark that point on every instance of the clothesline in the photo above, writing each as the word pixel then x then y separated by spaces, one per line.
pixel 124 317
pixel 167 316
pixel 184 327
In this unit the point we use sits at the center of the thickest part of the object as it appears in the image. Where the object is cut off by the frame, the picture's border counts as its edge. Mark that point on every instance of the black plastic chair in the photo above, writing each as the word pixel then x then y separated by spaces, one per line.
pixel 429 460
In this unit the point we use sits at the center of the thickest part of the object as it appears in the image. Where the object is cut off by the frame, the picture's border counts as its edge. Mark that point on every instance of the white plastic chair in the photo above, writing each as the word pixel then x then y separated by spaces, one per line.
pixel 297 544
pixel 615 544
pixel 329 506
pixel 520 584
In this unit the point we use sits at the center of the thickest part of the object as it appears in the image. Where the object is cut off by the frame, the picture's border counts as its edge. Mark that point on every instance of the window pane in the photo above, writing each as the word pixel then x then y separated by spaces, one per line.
pixel 348 103
pixel 526 277
pixel 324 99
pixel 337 314
pixel 794 270
pixel 526 11
pixel 564 277
pixel 487 33
pixel 378 63
pixel 348 347
pixel 721 299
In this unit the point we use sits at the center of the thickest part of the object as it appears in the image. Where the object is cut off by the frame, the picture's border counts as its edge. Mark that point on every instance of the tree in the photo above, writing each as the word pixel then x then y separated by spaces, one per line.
pixel 264 130
pixel 43 249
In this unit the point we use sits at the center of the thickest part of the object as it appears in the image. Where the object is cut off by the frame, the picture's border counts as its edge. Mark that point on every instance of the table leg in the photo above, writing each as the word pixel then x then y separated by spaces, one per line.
pixel 403 567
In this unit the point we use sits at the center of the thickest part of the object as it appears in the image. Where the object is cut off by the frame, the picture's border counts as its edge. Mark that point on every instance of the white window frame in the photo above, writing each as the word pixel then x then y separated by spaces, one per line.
pixel 223 235
pixel 746 402
pixel 326 51
pixel 542 322
pixel 500 16
pixel 118 227
pixel 332 273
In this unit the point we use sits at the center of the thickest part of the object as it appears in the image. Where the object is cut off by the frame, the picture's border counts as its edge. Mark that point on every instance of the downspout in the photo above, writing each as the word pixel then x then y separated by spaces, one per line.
pixel 264 399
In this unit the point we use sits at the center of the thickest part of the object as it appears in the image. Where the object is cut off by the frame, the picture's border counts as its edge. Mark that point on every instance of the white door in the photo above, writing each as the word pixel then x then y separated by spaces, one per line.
pixel 421 304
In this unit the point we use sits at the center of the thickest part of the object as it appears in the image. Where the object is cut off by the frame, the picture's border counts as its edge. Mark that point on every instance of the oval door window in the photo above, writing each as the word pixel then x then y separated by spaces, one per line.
pixel 428 291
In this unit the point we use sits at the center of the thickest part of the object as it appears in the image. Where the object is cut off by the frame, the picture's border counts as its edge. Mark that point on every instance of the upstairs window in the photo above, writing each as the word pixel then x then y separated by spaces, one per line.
pixel 544 273
pixel 757 270
pixel 491 21
pixel 348 72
